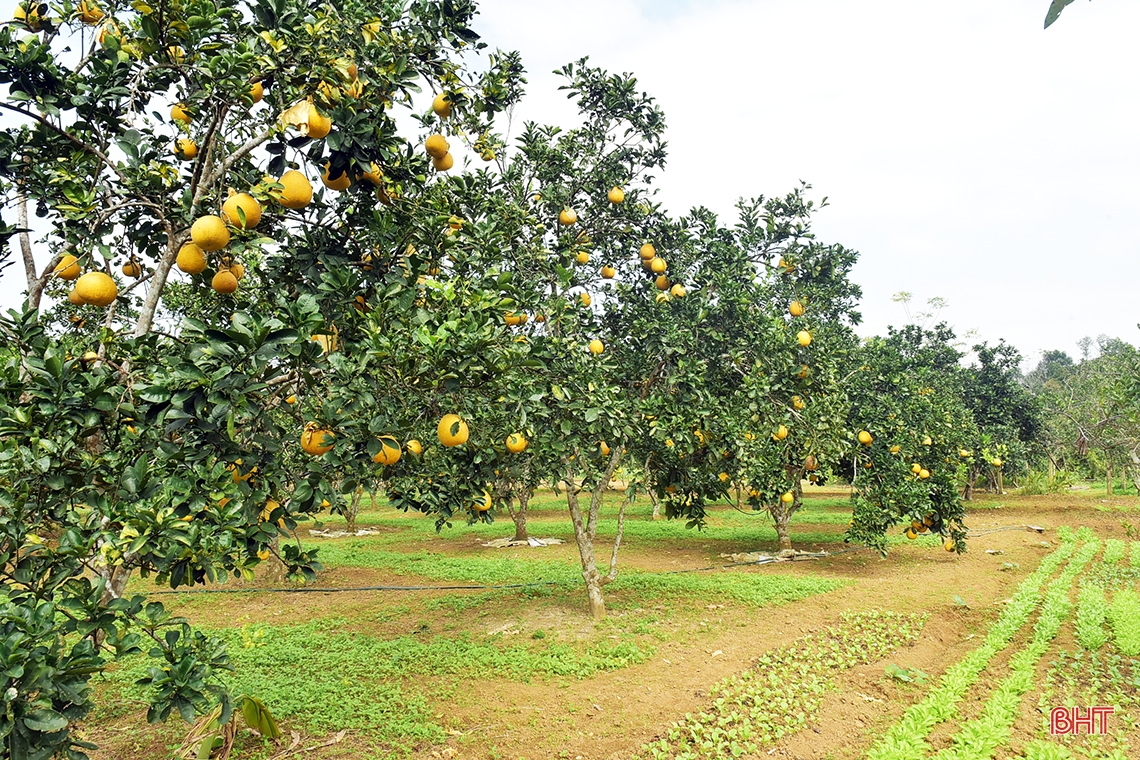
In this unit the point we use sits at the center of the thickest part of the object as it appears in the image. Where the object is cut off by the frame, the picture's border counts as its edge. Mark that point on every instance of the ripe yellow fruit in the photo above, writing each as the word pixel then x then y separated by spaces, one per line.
pixel 483 504
pixel 319 124
pixel 514 319
pixel 297 191
pixel 567 216
pixel 865 438
pixel 177 54
pixel 315 440
pixel 927 441
pixel 911 534
pixel 996 462
pixel 237 205
pixel 647 252
pixel 256 92
pixel 31 20
pixel 191 259
pixel 585 299
pixel 582 257
pixel 340 183
pixel 924 473
pixel 263 554
pixel 443 163
pixel 963 453
pixel 796 309
pixel 894 449
pixel 441 105
pixel 132 269
pixel 112 29
pixel 68 268
pixel 658 265
pixel 916 468
pixel 597 347
pixel 798 403
pixel 97 289
pixel 723 477
pixel 209 233
pixel 291 400
pixel 803 373
pixel 948 544
pixel 389 452
pixel 787 497
pixel 224 282
pixel 780 434
pixel 452 430
pixel 436 146
pixel 178 111
pixel 414 447
pixel 803 337
pixel 373 175
pixel 616 195
pixel 185 149
pixel 608 272
pixel 678 291
pixel 516 443
pixel 238 270
pixel 662 282
pixel 89 13
pixel 603 448
pixel 662 298
pixel 74 298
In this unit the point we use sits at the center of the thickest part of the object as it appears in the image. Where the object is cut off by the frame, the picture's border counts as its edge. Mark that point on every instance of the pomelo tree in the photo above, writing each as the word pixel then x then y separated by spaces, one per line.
pixel 179 427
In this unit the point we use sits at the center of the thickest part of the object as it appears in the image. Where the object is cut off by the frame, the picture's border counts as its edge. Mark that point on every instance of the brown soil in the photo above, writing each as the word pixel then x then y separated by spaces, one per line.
pixel 610 715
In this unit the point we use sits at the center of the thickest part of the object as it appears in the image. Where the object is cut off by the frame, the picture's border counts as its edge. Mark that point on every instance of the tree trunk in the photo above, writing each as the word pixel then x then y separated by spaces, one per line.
pixel 1052 471
pixel 971 478
pixel 353 510
pixel 1108 476
pixel 656 504
pixel 781 517
pixel 519 515
pixel 586 529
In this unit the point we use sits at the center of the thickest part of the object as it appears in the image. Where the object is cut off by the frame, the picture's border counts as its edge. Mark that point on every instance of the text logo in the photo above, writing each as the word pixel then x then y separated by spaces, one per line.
pixel 1070 720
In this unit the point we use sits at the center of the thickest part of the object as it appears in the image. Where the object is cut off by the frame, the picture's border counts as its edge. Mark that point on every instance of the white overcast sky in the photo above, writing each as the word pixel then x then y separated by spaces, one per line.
pixel 967 153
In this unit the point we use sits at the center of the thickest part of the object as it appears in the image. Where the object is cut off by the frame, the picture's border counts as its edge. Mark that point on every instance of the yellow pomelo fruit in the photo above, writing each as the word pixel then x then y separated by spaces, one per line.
pixel 796 309
pixel 340 183
pixel 452 430
pixel 185 149
pixel 597 347
pixel 441 105
pixel 68 268
pixel 444 162
pixel 582 257
pixel 436 146
pixel 662 282
pixel 319 124
pixel 657 265
pixel 247 205
pixel 567 216
pixel 803 337
pixel 316 440
pixel 74 298
pixel 865 438
pixel 238 270
pixel 89 13
pixel 389 452
pixel 224 282
pixel 373 175
pixel 297 191
pixel 516 443
pixel 414 447
pixel 647 252
pixel 97 289
pixel 787 497
pixel 209 233
pixel 608 272
pixel 483 504
pixel 585 299
pixel 178 112
pixel 132 269
pixel 191 259
pixel 256 92
pixel 679 291
pixel 780 434
pixel 616 195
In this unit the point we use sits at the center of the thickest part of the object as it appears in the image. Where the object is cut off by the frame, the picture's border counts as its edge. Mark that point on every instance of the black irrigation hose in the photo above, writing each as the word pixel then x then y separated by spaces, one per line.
pixel 334 590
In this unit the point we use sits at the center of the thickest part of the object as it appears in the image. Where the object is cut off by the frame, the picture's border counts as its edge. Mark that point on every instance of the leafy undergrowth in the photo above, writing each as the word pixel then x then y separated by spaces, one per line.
pixel 322 678
pixel 1124 617
pixel 1084 678
pixel 978 739
pixel 1043 750
pixel 784 689
pixel 906 740
pixel 757 589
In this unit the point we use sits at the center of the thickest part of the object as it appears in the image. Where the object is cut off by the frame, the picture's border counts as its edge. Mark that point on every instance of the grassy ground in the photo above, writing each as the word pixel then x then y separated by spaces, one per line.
pixel 523 673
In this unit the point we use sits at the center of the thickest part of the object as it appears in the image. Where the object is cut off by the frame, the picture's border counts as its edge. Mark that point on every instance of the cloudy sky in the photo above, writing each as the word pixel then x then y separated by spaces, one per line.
pixel 967 153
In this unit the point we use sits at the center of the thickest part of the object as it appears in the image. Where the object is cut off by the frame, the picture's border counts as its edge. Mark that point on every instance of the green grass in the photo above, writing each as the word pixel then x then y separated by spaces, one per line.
pixel 322 677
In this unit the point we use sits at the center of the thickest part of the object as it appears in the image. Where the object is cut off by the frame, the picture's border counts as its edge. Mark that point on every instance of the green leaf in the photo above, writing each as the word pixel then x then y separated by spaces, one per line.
pixel 45 720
